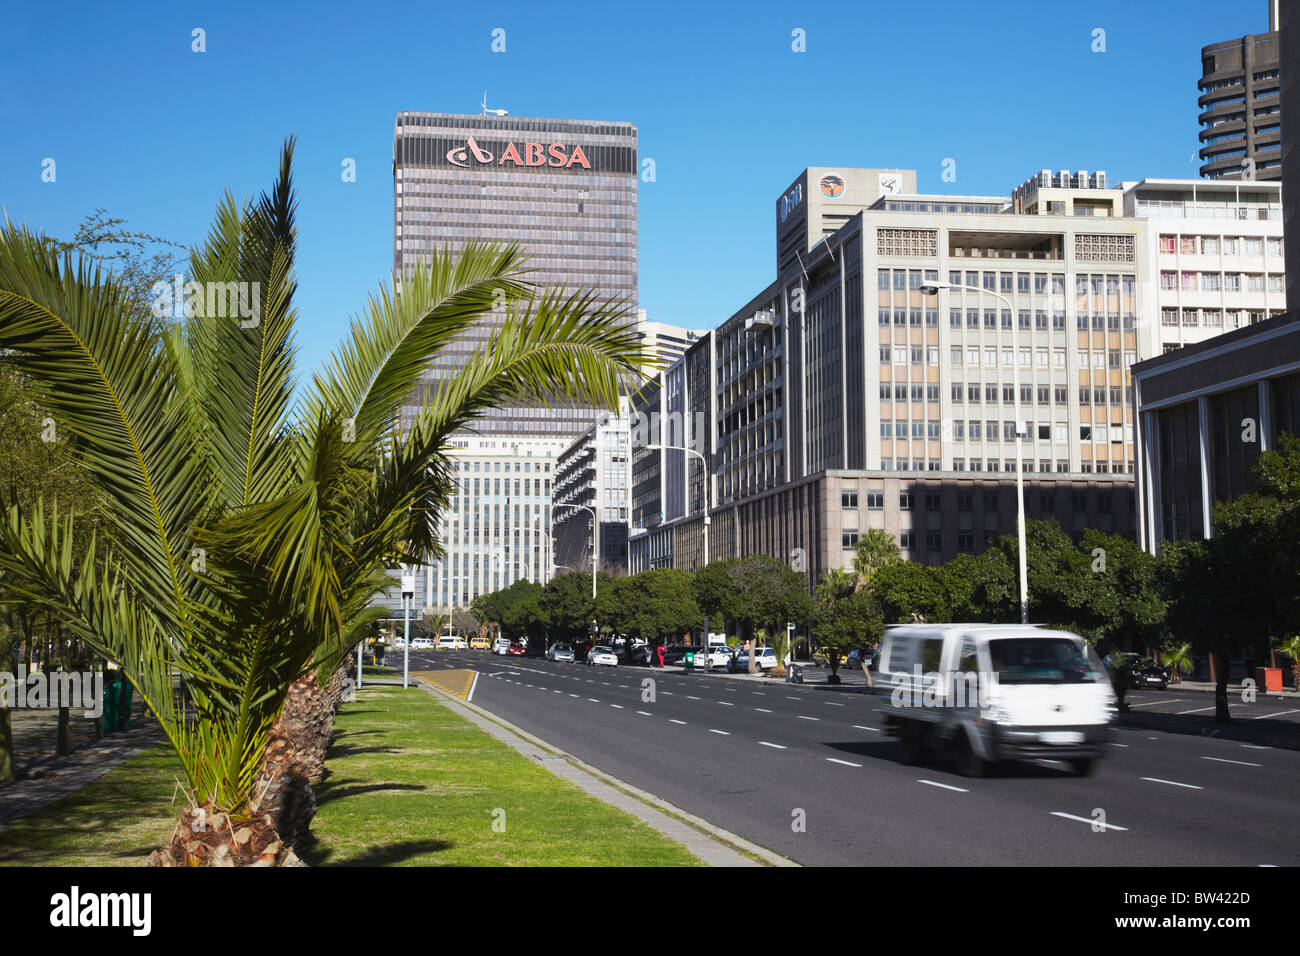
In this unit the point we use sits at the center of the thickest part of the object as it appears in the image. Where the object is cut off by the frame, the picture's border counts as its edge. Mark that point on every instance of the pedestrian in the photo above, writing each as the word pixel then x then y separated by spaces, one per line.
pixel 660 649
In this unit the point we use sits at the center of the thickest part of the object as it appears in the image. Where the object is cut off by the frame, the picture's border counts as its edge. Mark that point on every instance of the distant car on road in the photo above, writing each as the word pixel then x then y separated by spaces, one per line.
pixel 766 660
pixel 422 644
pixel 560 652
pixel 479 644
pixel 1149 675
pixel 602 656
pixel 516 650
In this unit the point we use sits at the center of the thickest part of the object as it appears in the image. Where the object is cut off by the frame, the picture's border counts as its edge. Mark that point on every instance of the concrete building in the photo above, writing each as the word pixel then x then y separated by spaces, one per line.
pixel 1218 250
pixel 564 190
pixel 1290 67
pixel 665 342
pixel 594 472
pixel 1207 411
pixel 497 528
pixel 1240 113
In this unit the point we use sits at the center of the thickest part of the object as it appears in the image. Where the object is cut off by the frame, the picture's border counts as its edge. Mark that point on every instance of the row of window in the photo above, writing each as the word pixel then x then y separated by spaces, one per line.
pixel 933 500
pixel 1046 394
pixel 970 357
pixel 1220 245
pixel 1222 281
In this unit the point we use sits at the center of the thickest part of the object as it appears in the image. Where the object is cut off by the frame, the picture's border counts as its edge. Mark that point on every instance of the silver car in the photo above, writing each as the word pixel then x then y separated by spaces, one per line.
pixel 561 652
pixel 601 655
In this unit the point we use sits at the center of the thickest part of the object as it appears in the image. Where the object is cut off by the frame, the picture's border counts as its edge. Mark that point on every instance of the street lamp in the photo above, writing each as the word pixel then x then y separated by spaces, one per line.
pixel 932 288
pixel 704 464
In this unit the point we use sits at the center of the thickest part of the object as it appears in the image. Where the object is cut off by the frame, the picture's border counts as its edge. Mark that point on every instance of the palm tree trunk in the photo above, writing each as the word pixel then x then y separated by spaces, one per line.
pixel 8 765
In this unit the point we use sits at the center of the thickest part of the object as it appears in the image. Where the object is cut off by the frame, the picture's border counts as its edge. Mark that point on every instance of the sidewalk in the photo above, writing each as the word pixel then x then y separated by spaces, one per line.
pixel 1234 689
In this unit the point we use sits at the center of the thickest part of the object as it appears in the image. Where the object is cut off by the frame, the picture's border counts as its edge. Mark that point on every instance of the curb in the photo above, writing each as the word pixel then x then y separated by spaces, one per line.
pixel 707 841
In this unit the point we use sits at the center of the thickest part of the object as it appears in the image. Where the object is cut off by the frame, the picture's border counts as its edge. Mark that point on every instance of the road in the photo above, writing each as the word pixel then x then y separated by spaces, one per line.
pixel 761 758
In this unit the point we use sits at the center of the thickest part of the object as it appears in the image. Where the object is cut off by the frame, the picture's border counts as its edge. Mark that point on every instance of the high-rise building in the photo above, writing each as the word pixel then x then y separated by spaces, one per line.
pixel 1289 35
pixel 594 473
pixel 564 190
pixel 1241 115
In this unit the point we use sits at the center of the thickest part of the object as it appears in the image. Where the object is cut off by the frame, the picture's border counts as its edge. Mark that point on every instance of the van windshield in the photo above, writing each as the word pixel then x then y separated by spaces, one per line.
pixel 1043 660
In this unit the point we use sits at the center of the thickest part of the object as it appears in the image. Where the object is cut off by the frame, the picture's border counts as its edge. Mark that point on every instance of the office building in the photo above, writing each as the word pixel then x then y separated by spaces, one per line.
pixel 1207 411
pixel 1290 67
pixel 564 190
pixel 593 484
pixel 496 530
pixel 1241 116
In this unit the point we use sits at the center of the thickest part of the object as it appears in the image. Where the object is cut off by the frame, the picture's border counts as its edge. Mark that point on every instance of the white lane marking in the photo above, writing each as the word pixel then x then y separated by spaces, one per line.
pixel 561 692
pixel 1173 783
pixel 1277 714
pixel 470 695
pixel 831 703
pixel 676 721
pixel 668 692
pixel 573 695
pixel 794 698
pixel 847 763
pixel 1256 747
pixel 773 746
pixel 645 713
pixel 762 710
pixel 802 717
pixel 943 786
pixel 872 729
pixel 1088 820
pixel 726 703
pixel 1195 711
pixel 1242 763
pixel 690 697
pixel 619 706
pixel 758 693
pixel 593 700
pixel 1148 703
pixel 725 733
pixel 1113 744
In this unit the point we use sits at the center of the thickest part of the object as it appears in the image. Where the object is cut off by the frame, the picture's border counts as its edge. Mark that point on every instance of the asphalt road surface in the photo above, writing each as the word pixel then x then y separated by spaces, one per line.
pixel 809 773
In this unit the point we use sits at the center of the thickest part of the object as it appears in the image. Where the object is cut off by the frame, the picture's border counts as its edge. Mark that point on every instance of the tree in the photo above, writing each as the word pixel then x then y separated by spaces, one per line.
pixel 566 601
pixel 1133 612
pixel 1178 657
pixel 844 618
pixel 907 591
pixel 652 606
pixel 247 535
pixel 875 550
pixel 1291 648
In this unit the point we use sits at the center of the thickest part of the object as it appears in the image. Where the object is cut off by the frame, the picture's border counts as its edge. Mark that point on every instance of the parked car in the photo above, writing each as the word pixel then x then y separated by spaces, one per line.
pixel 602 655
pixel 560 652
pixel 479 644
pixel 451 642
pixel 719 655
pixel 822 656
pixel 422 644
pixel 639 655
pixel 766 657
pixel 501 646
pixel 516 650
pixel 1149 674
pixel 987 693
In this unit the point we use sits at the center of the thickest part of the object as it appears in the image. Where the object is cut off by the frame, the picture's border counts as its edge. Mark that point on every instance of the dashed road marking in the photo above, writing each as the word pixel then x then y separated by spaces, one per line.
pixel 1088 820
pixel 943 786
pixel 1242 763
pixel 773 746
pixel 1172 783
pixel 847 763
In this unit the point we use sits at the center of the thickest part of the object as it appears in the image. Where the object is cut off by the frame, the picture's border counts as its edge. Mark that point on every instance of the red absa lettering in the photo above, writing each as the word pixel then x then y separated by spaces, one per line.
pixel 557 154
pixel 578 157
pixel 533 155
pixel 511 154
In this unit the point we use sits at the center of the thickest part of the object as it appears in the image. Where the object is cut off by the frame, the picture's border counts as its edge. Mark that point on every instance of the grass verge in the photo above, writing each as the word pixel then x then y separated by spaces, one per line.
pixel 118 820
pixel 412 784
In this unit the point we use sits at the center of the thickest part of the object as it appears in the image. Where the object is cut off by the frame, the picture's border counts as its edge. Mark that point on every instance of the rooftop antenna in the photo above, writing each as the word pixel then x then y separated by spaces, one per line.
pixel 488 112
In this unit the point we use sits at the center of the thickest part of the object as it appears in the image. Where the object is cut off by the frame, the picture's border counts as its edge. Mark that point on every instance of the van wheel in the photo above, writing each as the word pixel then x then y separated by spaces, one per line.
pixel 969 763
pixel 1082 766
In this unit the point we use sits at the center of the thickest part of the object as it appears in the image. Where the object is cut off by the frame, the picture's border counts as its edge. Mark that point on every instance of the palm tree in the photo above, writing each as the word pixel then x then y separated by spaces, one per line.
pixel 875 549
pixel 1291 648
pixel 1178 659
pixel 246 533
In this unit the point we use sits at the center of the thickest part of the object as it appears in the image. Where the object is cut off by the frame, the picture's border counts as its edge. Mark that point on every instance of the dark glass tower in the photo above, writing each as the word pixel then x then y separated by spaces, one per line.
pixel 565 190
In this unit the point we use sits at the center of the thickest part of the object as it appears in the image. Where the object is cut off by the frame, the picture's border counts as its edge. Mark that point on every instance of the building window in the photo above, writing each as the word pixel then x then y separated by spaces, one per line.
pixel 934 541
pixel 849 500
pixel 875 500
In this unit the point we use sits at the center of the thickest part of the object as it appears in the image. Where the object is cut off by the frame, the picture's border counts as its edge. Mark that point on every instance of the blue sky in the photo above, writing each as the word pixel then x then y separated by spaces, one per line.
pixel 144 127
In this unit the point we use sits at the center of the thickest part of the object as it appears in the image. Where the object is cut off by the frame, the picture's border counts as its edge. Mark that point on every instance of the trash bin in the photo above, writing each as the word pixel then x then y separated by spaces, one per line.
pixel 689 660
pixel 1269 679
pixel 112 691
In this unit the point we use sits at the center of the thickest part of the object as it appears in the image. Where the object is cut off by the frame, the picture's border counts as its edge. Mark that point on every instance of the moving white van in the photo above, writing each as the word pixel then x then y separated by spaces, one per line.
pixel 993 692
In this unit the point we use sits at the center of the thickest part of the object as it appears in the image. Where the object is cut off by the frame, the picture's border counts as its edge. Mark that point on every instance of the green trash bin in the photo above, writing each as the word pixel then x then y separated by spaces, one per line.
pixel 125 692
pixel 112 691
pixel 689 660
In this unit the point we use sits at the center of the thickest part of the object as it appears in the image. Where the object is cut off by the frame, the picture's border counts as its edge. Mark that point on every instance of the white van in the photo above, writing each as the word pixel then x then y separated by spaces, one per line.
pixel 994 692
pixel 452 642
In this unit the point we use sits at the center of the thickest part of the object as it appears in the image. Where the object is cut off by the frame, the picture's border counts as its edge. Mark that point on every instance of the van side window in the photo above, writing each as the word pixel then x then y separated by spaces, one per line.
pixel 968 664
pixel 931 654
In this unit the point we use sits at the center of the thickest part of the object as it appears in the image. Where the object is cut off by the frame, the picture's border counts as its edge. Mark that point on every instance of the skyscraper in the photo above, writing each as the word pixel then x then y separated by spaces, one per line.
pixel 1241 113
pixel 564 190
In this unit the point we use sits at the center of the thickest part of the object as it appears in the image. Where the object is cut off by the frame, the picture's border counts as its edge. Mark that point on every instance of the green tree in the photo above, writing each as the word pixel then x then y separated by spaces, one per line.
pixel 907 591
pixel 566 601
pixel 875 549
pixel 844 619
pixel 248 534
pixel 653 606
pixel 1133 612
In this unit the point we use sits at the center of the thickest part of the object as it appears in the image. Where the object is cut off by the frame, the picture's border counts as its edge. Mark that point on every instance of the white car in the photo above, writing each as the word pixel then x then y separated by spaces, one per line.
pixel 603 656
pixel 422 644
pixel 719 655
pixel 501 647
pixel 766 660
pixel 450 642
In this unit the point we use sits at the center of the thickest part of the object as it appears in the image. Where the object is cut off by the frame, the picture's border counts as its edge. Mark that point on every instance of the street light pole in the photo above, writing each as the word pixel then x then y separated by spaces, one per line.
pixel 932 288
